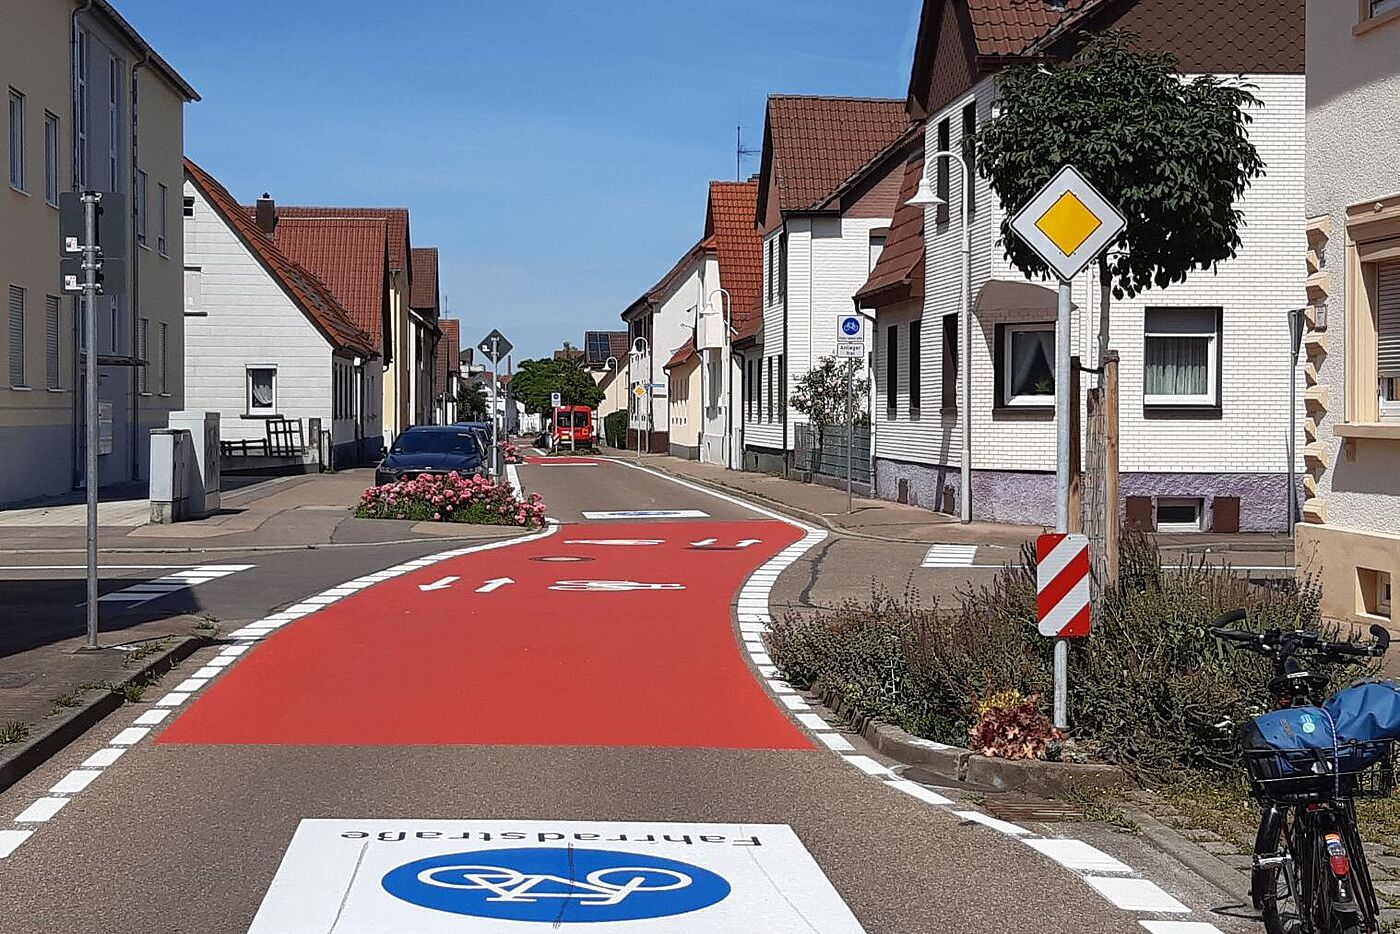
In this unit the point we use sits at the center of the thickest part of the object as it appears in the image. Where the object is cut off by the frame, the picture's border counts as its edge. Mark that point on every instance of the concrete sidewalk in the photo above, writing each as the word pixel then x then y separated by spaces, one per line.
pixel 882 520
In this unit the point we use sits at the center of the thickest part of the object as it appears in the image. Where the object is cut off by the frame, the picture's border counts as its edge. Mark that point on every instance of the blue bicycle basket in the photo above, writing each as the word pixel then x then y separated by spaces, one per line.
pixel 1287 742
pixel 1366 712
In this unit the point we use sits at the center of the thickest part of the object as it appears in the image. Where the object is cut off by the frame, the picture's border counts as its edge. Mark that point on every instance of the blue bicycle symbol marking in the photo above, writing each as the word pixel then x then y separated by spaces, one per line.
pixel 850 326
pixel 556 885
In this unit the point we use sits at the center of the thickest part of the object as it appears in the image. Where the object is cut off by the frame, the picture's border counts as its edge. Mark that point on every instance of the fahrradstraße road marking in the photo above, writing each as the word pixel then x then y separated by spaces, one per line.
pixel 647 514
pixel 460 876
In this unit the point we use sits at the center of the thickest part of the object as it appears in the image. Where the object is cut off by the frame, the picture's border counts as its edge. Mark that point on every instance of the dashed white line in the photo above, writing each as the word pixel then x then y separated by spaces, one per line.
pixel 11 839
pixel 75 781
pixel 997 824
pixel 42 810
pixel 1136 894
pixel 104 757
pixel 1180 927
pixel 1078 855
pixel 130 736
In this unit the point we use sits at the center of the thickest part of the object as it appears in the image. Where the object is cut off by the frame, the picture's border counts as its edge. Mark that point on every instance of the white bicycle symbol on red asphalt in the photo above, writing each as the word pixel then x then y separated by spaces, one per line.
pixel 610 586
pixel 602 887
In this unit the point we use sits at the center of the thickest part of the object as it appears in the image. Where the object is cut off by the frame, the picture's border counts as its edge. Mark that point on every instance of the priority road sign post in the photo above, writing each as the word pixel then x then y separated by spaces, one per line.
pixel 640 391
pixel 1062 602
pixel 850 345
pixel 494 346
pixel 1067 224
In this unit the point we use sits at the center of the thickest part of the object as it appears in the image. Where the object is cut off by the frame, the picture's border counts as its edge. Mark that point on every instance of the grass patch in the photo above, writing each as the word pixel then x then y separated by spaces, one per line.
pixel 13 732
pixel 145 651
pixel 1105 807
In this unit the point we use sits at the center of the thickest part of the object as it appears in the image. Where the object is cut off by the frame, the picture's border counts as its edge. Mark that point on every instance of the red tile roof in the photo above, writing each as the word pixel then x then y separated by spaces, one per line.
pixel 814 144
pixel 316 300
pixel 449 348
pixel 424 292
pixel 682 354
pixel 899 274
pixel 729 221
pixel 396 218
pixel 348 254
pixel 1009 27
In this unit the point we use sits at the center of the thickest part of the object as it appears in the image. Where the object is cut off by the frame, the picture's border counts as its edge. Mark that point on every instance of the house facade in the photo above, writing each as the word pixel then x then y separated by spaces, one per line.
pixel 266 339
pixel 90 106
pixel 447 378
pixel 1205 363
pixel 684 404
pixel 424 315
pixel 827 189
pixel 664 318
pixel 1350 534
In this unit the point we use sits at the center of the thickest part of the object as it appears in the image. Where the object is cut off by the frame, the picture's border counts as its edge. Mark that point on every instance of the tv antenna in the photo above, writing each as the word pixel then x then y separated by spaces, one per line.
pixel 740 152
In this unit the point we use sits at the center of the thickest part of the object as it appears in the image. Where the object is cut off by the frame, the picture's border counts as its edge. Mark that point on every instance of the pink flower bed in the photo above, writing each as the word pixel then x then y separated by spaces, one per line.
pixel 451 498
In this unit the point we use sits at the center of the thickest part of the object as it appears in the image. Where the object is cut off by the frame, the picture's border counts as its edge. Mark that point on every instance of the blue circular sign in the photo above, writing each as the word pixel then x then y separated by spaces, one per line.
pixel 850 326
pixel 555 885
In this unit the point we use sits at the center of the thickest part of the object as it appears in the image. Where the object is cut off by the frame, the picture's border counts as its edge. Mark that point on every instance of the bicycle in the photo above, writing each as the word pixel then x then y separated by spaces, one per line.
pixel 1309 867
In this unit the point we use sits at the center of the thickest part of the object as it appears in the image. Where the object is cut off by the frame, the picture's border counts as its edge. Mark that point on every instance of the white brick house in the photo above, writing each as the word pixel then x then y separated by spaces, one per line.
pixel 265 338
pixel 1203 445
pixel 827 191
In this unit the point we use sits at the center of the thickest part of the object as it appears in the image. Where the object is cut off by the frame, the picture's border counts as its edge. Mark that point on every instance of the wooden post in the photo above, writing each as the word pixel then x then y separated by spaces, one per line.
pixel 1108 385
pixel 1076 470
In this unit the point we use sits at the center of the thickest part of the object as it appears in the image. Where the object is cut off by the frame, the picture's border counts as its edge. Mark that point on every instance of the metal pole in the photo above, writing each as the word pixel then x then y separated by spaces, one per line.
pixel 1063 352
pixel 850 432
pixel 91 263
pixel 495 415
pixel 639 397
pixel 1296 333
pixel 965 310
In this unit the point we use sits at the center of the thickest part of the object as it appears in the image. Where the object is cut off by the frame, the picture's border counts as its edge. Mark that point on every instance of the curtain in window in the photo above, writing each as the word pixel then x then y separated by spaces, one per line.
pixel 1032 370
pixel 1177 366
pixel 262 388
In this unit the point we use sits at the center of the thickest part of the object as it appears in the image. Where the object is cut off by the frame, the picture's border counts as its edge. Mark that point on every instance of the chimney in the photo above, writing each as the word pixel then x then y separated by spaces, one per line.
pixel 267 214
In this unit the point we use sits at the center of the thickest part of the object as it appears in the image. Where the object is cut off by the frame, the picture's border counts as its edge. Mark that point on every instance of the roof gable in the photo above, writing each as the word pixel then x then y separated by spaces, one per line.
pixel 899 273
pixel 312 296
pixel 425 291
pixel 812 145
pixel 729 223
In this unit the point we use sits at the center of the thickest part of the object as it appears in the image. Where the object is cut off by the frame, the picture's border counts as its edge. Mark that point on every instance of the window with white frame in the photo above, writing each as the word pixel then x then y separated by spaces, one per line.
pixel 1388 338
pixel 877 247
pixel 50 158
pixel 163 221
pixel 16 140
pixel 53 348
pixel 1179 514
pixel 143 209
pixel 1181 356
pixel 188 206
pixel 1028 364
pixel 262 390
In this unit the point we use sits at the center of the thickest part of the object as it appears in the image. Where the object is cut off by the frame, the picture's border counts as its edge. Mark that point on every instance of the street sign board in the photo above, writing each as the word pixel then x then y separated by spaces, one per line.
pixel 1068 223
pixel 112 223
pixel 455 876
pixel 494 351
pixel 850 337
pixel 556 399
pixel 1062 584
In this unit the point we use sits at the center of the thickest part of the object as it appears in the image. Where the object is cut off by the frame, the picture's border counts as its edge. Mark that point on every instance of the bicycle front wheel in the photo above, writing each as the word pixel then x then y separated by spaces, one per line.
pixel 1279 876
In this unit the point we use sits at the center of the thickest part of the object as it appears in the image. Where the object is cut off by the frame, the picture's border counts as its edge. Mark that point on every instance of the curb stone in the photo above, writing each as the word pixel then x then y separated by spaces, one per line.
pixel 22 758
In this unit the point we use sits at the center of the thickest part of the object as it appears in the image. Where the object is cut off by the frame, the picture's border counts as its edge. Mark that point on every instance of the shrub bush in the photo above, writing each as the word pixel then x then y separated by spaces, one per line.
pixel 451 498
pixel 1147 689
pixel 615 429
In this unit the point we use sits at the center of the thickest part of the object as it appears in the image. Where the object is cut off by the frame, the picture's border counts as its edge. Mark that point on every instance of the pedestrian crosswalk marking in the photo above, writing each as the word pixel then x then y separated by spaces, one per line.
pixel 146 591
pixel 950 556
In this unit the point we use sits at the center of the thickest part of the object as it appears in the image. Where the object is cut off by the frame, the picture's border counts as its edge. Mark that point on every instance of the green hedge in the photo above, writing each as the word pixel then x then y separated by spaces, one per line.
pixel 615 429
pixel 1147 689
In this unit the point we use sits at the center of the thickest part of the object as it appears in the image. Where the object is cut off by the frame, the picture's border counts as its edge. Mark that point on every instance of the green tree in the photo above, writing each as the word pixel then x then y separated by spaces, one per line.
pixel 1172 154
pixel 821 392
pixel 472 402
pixel 535 380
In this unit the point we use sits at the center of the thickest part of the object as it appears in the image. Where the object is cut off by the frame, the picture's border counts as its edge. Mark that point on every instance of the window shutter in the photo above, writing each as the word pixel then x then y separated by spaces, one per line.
pixel 892 366
pixel 16 336
pixel 1225 514
pixel 51 341
pixel 1388 319
pixel 916 350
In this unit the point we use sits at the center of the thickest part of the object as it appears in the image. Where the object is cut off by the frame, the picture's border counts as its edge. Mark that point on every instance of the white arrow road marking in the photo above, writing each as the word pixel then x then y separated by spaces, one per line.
pixel 703 542
pixel 610 586
pixel 747 542
pixel 613 541
pixel 442 584
pixel 494 585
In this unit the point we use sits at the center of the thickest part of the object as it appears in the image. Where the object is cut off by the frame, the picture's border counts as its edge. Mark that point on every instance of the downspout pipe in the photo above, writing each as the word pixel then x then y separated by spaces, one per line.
pixel 76 177
pixel 133 382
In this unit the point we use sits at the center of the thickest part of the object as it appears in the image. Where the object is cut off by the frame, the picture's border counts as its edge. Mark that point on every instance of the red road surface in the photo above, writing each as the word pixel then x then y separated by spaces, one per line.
pixel 525 664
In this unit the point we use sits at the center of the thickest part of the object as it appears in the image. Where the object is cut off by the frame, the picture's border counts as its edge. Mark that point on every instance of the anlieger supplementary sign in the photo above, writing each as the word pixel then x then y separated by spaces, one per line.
pixel 515 877
pixel 1062 584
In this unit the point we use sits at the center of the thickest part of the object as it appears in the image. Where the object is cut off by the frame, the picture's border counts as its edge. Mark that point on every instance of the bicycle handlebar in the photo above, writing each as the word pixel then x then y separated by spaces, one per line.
pixel 1276 642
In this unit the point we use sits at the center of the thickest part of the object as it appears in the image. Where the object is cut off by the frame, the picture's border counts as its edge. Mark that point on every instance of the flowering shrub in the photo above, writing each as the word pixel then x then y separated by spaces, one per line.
pixel 451 498
pixel 511 452
pixel 1011 725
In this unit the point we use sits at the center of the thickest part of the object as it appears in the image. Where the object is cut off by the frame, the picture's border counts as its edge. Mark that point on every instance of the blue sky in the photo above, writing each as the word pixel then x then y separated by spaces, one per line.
pixel 558 153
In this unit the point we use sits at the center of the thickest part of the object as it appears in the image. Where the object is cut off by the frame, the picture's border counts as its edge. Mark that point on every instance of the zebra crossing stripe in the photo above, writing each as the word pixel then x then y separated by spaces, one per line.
pixel 950 556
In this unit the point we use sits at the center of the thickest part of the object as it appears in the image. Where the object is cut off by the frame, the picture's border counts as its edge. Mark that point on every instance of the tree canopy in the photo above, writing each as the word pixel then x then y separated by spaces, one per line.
pixel 821 392
pixel 535 380
pixel 1172 154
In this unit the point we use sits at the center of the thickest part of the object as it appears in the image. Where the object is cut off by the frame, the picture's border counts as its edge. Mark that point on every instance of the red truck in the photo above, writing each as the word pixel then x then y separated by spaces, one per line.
pixel 573 427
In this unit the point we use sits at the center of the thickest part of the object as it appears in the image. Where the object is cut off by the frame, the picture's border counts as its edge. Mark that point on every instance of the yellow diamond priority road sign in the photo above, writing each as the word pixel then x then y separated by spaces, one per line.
pixel 1068 223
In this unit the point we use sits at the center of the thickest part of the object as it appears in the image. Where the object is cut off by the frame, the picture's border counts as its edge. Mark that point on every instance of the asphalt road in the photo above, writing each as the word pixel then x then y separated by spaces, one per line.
pixel 593 675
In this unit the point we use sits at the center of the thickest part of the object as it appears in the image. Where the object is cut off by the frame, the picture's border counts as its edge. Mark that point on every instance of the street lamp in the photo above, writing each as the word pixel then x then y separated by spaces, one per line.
pixel 726 310
pixel 926 197
pixel 639 350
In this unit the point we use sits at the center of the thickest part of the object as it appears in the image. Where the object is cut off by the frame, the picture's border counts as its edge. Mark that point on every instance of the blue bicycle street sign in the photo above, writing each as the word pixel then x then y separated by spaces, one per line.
pixel 556 885
pixel 850 326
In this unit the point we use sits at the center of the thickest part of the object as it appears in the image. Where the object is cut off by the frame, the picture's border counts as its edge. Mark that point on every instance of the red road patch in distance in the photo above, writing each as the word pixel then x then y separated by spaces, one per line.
pixel 526 664
pixel 563 459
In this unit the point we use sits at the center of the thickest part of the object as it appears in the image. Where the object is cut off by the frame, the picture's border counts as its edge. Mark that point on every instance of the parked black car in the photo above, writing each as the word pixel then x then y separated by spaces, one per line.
pixel 431 449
